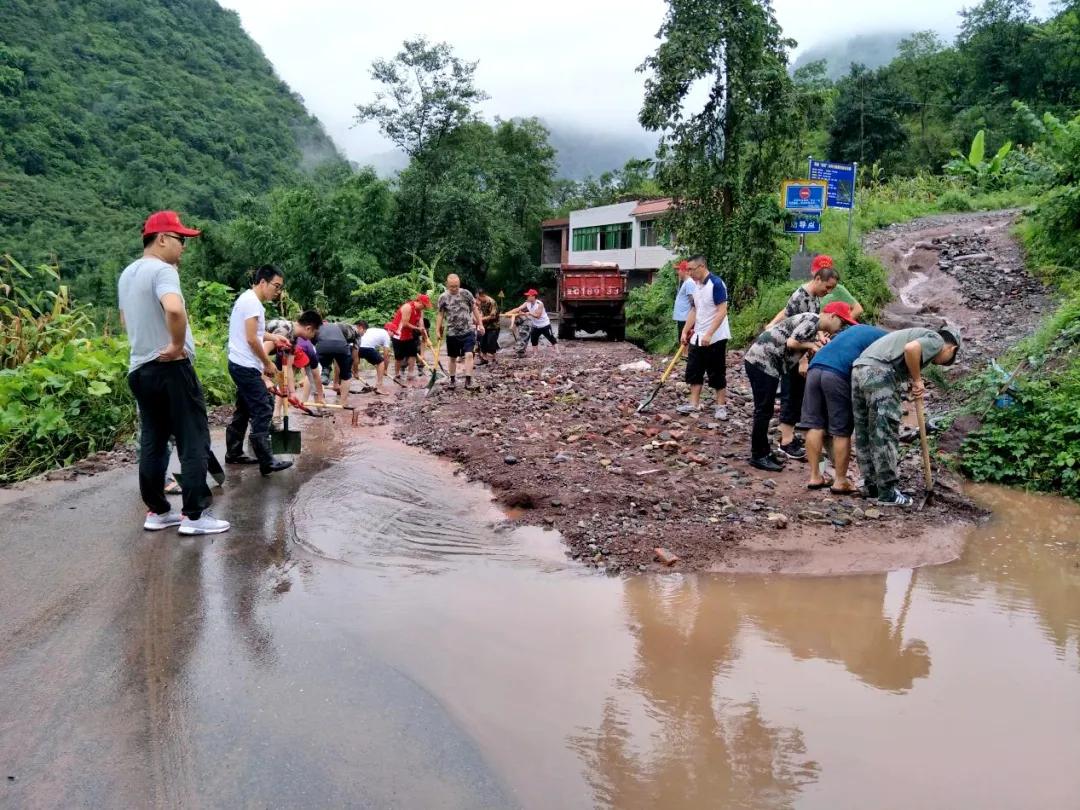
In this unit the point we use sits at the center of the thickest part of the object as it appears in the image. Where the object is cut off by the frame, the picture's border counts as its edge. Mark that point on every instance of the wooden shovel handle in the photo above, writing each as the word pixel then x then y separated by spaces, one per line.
pixel 928 476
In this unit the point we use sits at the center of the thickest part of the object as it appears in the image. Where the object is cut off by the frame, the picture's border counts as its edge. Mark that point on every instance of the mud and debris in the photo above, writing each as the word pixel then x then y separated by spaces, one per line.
pixel 557 437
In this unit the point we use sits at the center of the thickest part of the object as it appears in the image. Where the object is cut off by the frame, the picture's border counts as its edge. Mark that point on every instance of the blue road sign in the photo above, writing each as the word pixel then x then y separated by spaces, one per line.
pixel 802 223
pixel 804 195
pixel 841 181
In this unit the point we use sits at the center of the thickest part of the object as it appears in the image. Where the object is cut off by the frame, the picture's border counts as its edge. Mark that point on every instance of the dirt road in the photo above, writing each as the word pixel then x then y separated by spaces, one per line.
pixel 556 434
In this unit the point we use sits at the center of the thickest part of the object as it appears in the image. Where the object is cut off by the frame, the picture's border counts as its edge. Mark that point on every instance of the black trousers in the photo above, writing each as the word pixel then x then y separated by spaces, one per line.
pixel 254 404
pixel 171 404
pixel 791 407
pixel 764 387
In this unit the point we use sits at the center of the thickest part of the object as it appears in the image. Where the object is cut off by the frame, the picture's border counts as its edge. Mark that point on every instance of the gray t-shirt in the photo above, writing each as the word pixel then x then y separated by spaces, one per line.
pixel 889 350
pixel 141 286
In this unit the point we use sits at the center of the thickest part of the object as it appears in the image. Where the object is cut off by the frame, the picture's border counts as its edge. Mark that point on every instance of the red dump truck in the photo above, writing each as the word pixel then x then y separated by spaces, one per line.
pixel 592 298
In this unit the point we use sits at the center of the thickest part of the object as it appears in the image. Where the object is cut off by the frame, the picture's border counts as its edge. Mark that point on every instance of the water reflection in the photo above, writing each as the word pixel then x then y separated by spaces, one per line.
pixel 846 623
pixel 1026 560
pixel 667 738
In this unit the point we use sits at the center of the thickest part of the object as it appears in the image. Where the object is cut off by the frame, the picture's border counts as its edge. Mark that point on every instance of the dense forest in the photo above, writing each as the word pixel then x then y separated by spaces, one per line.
pixel 112 108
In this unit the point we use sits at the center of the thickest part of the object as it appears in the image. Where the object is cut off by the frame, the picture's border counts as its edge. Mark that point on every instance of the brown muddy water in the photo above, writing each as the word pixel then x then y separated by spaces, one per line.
pixel 955 686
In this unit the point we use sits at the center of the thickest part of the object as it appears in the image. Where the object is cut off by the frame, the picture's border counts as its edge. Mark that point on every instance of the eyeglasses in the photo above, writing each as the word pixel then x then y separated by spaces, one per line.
pixel 277 285
pixel 181 239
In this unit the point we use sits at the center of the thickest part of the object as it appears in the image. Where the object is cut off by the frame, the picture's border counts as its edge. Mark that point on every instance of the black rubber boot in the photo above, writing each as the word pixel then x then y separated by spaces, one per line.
pixel 267 463
pixel 234 448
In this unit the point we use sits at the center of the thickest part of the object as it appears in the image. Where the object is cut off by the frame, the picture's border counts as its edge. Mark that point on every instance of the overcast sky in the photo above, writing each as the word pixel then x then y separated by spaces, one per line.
pixel 570 61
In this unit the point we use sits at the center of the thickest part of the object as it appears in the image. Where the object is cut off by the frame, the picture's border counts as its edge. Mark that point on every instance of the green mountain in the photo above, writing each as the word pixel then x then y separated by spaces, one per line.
pixel 110 109
pixel 872 50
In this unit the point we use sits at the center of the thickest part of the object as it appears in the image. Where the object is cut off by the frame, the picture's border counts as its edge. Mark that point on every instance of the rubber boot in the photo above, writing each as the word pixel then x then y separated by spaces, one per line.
pixel 267 463
pixel 234 448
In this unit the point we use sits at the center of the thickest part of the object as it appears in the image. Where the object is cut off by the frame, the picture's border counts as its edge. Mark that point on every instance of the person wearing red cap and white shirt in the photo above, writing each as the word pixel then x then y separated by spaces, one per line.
pixel 162 377
pixel 540 323
pixel 406 329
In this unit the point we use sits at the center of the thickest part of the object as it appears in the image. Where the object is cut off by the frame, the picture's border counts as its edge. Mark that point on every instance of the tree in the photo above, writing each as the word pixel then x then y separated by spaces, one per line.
pixel 866 125
pixel 428 94
pixel 720 161
pixel 992 41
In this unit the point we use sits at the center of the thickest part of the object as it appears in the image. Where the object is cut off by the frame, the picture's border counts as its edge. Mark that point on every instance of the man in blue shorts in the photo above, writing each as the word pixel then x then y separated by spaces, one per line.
pixel 460 316
pixel 826 406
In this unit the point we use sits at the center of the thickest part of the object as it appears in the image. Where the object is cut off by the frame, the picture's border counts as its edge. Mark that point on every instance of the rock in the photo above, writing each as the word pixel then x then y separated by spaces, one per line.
pixel 778 520
pixel 556 502
pixel 769 482
pixel 873 514
pixel 66 474
pixel 640 365
pixel 666 506
pixel 664 557
pixel 510 460
pixel 841 520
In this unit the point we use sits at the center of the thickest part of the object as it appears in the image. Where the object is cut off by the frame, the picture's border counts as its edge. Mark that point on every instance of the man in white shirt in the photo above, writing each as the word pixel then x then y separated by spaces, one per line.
pixel 706 334
pixel 374 346
pixel 249 364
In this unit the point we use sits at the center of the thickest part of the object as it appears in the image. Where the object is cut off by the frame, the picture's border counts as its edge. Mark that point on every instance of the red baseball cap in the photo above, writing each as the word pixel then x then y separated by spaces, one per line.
pixel 820 263
pixel 532 293
pixel 683 265
pixel 841 311
pixel 167 222
pixel 423 299
pixel 300 358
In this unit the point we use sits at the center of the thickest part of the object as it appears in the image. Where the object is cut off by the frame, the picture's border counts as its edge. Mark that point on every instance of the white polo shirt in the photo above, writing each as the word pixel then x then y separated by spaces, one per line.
pixel 708 296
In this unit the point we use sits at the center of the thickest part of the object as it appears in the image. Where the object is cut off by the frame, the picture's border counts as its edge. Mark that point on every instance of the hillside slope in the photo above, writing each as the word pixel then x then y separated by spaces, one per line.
pixel 112 108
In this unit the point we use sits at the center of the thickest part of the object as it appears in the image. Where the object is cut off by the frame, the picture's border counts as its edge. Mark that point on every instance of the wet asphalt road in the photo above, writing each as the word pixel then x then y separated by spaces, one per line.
pixel 142 669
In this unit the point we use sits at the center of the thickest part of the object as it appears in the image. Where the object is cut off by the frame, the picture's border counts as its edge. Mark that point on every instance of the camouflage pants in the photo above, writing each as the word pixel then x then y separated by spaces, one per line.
pixel 875 403
pixel 522 330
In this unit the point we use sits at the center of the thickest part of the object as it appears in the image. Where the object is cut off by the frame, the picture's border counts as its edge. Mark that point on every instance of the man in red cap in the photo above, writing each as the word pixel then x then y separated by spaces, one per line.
pixel 684 298
pixel 826 406
pixel 539 320
pixel 162 377
pixel 406 329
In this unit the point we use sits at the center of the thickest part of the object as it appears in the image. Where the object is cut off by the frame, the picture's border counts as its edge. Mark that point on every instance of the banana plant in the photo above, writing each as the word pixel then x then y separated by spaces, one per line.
pixel 974 167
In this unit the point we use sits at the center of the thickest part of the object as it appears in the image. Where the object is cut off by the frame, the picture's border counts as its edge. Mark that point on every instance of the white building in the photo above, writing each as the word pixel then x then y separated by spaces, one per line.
pixel 625 233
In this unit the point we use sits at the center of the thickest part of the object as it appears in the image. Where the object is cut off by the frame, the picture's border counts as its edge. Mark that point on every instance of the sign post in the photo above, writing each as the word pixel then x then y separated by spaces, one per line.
pixel 840 178
pixel 803 200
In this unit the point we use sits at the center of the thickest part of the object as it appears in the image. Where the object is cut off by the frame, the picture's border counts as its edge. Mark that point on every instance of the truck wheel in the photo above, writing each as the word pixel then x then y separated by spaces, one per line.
pixel 567 331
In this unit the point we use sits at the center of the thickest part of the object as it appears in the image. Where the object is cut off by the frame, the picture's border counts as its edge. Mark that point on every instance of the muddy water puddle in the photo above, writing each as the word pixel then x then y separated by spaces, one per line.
pixel 954 686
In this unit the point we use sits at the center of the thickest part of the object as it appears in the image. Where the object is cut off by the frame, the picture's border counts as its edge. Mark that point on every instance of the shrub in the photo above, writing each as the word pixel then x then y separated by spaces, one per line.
pixel 955 201
pixel 62 406
pixel 648 312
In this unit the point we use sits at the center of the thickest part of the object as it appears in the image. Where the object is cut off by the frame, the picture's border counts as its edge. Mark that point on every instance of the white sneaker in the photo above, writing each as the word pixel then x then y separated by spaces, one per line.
pixel 155 522
pixel 720 412
pixel 206 524
pixel 686 408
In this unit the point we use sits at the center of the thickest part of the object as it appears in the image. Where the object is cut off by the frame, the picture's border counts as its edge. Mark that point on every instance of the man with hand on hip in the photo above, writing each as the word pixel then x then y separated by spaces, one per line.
pixel 162 378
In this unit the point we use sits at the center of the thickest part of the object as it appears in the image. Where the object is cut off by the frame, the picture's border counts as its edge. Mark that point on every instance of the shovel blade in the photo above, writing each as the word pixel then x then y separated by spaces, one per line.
pixel 285 442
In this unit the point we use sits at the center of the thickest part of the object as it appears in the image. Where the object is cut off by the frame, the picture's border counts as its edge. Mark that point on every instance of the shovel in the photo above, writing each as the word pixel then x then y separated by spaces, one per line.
pixel 213 466
pixel 656 389
pixel 434 366
pixel 284 441
pixel 928 476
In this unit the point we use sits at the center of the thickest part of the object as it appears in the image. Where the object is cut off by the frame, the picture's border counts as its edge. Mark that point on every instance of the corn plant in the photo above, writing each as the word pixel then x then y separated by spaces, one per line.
pixel 36 313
